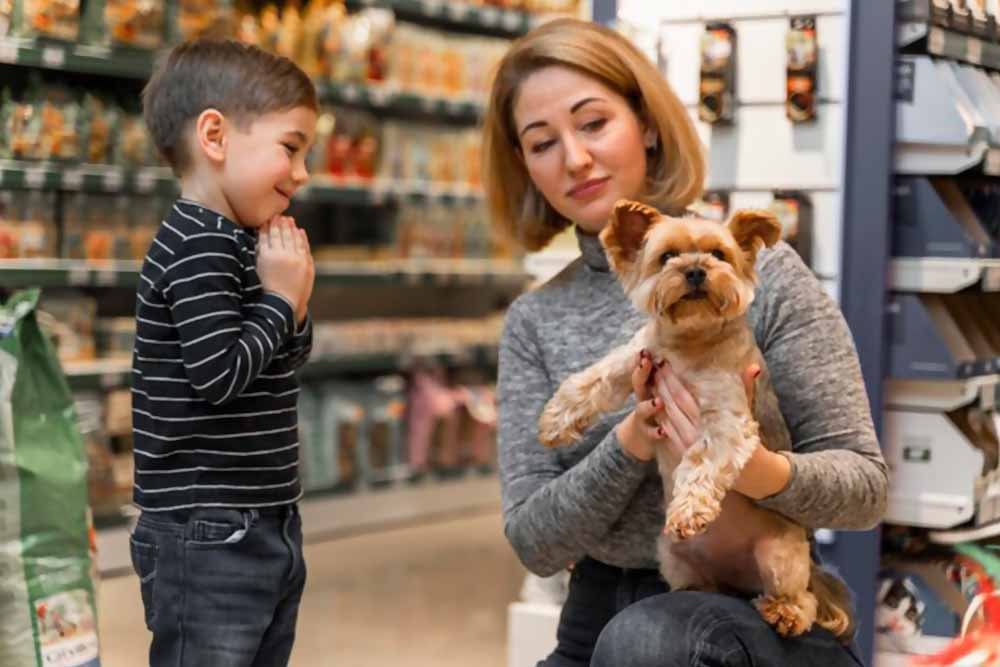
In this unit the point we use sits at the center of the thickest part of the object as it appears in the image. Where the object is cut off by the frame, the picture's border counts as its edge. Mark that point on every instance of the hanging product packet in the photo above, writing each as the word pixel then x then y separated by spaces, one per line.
pixel 47 602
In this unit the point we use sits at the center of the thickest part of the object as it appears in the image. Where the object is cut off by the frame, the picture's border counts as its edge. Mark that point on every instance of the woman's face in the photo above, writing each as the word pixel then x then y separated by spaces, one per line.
pixel 582 144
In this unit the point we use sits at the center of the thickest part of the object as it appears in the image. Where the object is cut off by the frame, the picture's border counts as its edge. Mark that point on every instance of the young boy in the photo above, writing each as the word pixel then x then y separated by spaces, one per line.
pixel 221 326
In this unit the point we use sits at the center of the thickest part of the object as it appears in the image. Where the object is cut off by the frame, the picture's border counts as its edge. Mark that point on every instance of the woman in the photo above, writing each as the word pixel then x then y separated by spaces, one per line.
pixel 578 119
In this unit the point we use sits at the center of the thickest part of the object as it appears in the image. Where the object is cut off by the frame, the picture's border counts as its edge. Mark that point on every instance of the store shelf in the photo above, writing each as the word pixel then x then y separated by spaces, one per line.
pixel 85 58
pixel 932 218
pixel 455 16
pixel 943 337
pixel 942 395
pixel 944 275
pixel 377 98
pixel 960 536
pixel 945 43
pixel 940 127
pixel 329 516
pixel 108 373
pixel 16 273
pixel 19 174
pixel 378 192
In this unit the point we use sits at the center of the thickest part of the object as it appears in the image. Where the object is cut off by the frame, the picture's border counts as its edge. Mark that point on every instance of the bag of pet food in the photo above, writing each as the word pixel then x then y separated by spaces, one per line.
pixel 47 606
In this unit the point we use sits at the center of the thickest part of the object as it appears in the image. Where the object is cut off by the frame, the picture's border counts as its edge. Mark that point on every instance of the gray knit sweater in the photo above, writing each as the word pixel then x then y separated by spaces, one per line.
pixel 594 499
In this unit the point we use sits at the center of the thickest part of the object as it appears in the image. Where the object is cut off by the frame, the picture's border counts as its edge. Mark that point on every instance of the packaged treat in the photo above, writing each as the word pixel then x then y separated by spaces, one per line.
pixel 248 28
pixel 290 35
pixel 341 426
pixel 329 40
pixel 58 19
pixel 382 23
pixel 270 28
pixel 69 317
pixel 6 17
pixel 100 120
pixel 385 457
pixel 8 226
pixel 21 128
pixel 312 26
pixel 198 18
pixel 119 223
pixel 75 219
pixel 37 229
pixel 58 138
pixel 138 23
pixel 133 147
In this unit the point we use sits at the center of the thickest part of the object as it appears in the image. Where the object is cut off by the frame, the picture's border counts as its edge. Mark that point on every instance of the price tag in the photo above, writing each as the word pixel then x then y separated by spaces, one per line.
pixel 431 7
pixel 935 41
pixel 458 10
pixel 428 103
pixel 991 279
pixel 489 16
pixel 113 180
pixel 512 20
pixel 78 275
pixel 72 179
pixel 53 56
pixel 105 277
pixel 992 163
pixel 8 51
pixel 974 51
pixel 351 93
pixel 145 180
pixel 34 177
pixel 379 96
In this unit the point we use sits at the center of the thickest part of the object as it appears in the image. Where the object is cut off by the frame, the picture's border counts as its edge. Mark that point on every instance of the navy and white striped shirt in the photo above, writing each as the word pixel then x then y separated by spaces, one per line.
pixel 214 391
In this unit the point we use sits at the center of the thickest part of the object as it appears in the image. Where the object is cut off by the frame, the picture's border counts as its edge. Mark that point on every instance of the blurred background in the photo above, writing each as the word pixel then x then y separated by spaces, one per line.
pixel 872 129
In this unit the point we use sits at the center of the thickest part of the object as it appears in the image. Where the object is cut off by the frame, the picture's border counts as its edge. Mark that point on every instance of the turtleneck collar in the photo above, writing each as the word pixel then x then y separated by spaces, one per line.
pixel 592 251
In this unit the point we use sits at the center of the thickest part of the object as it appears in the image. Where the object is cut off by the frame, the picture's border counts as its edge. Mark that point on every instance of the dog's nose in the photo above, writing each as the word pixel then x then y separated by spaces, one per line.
pixel 695 276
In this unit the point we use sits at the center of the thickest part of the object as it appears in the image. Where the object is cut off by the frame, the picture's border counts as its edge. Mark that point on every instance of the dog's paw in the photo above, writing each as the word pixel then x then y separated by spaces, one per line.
pixel 555 429
pixel 790 616
pixel 687 519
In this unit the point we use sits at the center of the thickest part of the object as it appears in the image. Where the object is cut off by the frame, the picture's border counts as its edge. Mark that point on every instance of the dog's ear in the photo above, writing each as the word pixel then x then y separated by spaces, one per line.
pixel 754 229
pixel 623 235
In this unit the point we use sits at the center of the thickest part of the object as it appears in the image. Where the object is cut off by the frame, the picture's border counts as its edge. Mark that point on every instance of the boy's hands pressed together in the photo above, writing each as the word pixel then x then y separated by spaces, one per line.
pixel 284 263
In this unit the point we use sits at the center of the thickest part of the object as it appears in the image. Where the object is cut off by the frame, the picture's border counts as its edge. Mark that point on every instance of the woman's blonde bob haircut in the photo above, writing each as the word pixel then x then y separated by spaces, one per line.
pixel 675 167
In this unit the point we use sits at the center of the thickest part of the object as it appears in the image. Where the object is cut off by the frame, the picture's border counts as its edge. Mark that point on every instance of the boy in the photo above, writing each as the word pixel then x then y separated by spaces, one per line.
pixel 221 326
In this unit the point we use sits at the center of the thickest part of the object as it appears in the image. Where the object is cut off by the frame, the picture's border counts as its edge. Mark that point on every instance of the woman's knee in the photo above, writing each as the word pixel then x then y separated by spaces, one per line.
pixel 671 630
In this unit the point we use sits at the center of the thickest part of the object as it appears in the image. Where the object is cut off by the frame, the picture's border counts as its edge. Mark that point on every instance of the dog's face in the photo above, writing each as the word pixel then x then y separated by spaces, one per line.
pixel 687 272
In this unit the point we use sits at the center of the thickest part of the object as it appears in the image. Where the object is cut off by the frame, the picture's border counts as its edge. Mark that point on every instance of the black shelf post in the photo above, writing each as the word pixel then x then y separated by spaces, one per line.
pixel 868 167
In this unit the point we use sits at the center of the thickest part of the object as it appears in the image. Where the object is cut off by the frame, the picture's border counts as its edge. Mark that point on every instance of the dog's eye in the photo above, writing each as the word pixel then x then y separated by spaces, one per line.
pixel 719 255
pixel 667 256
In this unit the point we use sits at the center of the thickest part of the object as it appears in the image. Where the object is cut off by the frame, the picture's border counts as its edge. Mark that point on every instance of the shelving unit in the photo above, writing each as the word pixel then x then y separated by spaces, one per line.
pixel 411 287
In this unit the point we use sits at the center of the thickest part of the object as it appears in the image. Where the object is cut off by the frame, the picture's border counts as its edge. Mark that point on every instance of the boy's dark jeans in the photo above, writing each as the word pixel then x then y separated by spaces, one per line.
pixel 221 588
pixel 627 618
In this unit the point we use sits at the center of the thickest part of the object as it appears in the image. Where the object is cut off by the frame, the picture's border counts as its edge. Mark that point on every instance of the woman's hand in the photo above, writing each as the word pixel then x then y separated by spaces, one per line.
pixel 639 433
pixel 765 474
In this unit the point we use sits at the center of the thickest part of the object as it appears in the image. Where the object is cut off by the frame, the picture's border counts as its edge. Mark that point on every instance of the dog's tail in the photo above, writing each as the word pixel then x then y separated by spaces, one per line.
pixel 834 603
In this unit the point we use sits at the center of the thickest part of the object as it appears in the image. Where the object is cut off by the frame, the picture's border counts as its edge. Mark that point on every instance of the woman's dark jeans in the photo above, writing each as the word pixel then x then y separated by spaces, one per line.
pixel 628 618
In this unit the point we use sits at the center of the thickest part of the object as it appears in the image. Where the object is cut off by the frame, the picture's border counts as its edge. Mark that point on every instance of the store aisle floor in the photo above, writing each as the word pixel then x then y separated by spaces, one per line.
pixel 415 596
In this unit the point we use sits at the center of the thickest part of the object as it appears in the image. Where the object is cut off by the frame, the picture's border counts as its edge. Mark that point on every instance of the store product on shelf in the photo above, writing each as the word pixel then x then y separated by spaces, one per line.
pixel 432 423
pixel 384 451
pixel 342 417
pixel 58 19
pixel 41 125
pixel 115 337
pixel 201 18
pixel 68 318
pixel 27 224
pixel 404 336
pixel 347 145
pixel 135 23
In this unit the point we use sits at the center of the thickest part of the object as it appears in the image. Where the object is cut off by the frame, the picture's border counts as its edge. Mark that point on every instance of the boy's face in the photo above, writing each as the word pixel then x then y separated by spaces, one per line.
pixel 266 163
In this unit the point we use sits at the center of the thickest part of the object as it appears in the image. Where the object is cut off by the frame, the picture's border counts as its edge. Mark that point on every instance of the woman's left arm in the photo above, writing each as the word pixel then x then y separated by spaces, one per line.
pixel 837 477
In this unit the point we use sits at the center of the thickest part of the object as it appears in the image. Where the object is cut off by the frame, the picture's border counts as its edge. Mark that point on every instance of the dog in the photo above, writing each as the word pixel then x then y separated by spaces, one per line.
pixel 695 278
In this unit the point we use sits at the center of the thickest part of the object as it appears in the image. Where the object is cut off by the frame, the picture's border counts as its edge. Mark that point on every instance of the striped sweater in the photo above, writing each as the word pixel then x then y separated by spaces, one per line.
pixel 214 391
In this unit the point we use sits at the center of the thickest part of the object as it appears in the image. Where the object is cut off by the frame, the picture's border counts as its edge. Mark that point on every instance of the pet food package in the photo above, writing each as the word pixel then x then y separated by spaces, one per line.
pixel 316 469
pixel 47 606
pixel 342 430
pixel 384 455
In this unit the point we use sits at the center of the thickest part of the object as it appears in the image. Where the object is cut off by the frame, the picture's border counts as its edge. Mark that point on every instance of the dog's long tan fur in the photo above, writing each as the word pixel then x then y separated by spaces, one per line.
pixel 695 278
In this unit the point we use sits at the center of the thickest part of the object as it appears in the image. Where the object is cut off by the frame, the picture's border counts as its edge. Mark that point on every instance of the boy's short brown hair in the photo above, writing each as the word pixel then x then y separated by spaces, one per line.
pixel 240 80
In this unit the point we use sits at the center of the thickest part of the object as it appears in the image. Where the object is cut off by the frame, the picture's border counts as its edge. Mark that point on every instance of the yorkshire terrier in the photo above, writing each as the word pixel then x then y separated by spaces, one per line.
pixel 695 278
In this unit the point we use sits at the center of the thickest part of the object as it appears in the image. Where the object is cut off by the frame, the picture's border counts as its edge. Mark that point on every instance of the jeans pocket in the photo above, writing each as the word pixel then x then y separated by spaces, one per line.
pixel 144 561
pixel 220 529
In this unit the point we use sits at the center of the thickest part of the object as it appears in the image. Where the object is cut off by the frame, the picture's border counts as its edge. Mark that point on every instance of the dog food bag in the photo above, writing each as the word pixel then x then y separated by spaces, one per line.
pixel 47 606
